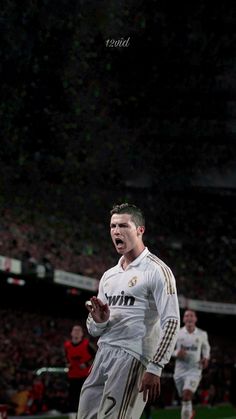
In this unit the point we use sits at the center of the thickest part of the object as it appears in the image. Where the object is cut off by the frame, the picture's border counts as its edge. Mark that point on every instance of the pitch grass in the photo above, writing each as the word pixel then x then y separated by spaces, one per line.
pixel 219 412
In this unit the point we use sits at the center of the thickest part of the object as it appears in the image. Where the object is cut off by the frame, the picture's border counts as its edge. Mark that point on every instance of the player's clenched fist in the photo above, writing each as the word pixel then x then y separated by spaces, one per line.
pixel 99 311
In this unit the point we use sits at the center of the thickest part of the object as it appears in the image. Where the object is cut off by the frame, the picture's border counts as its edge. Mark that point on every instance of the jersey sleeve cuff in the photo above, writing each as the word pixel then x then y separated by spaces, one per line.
pixel 101 325
pixel 154 369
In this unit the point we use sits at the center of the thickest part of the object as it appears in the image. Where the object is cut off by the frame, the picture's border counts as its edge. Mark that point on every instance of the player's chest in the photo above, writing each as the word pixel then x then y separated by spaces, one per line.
pixel 126 284
pixel 190 342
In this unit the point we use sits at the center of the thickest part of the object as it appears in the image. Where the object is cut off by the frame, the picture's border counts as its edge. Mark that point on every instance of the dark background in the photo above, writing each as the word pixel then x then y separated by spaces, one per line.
pixel 77 115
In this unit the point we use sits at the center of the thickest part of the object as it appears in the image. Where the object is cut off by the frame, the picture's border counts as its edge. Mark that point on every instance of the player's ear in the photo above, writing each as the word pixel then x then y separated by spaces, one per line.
pixel 140 230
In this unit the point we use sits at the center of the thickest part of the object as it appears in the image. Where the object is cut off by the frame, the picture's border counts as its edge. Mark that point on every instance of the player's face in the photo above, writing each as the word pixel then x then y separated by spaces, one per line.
pixel 190 318
pixel 77 333
pixel 125 235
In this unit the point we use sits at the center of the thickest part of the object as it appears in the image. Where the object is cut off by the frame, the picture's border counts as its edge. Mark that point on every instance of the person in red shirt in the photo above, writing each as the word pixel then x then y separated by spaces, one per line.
pixel 79 353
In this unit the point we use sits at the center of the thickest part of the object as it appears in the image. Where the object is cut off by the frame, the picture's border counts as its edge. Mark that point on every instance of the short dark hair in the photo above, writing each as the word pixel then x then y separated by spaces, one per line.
pixel 135 212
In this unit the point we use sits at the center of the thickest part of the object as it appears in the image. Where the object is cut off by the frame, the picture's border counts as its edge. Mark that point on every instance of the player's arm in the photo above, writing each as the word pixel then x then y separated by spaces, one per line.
pixel 179 352
pixel 205 353
pixel 165 294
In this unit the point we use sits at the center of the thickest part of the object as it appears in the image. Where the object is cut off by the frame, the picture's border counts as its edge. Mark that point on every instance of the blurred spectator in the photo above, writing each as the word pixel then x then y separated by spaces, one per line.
pixel 79 353
pixel 21 398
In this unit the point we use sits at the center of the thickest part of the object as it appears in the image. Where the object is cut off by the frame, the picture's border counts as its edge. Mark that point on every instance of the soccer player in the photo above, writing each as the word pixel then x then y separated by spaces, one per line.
pixel 79 354
pixel 192 354
pixel 136 315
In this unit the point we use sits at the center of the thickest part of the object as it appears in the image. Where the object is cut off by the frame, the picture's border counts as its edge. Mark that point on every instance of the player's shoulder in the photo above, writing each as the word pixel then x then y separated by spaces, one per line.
pixel 111 271
pixel 158 264
pixel 67 343
pixel 182 330
pixel 201 331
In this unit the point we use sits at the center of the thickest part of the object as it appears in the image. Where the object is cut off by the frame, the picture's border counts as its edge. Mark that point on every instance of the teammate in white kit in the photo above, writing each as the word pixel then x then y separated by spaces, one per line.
pixel 136 315
pixel 192 354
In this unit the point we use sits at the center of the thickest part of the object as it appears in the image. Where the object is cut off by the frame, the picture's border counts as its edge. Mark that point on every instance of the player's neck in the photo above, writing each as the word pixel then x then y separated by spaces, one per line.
pixel 76 341
pixel 131 256
pixel 190 328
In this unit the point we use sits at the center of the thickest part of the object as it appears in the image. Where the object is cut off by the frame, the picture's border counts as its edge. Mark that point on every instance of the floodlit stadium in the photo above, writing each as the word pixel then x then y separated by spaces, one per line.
pixel 105 103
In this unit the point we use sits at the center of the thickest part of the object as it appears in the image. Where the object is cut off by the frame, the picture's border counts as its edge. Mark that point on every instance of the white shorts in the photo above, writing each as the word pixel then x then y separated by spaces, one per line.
pixel 112 388
pixel 187 382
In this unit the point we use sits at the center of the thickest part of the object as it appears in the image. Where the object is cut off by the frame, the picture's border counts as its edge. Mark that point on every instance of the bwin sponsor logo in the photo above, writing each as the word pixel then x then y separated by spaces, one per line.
pixel 120 300
pixel 189 348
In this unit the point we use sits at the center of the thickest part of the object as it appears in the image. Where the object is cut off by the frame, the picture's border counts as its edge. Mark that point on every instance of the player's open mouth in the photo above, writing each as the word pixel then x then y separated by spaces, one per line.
pixel 119 243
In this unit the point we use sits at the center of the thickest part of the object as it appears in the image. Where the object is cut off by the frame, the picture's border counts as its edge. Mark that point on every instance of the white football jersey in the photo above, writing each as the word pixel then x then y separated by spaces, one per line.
pixel 196 346
pixel 144 310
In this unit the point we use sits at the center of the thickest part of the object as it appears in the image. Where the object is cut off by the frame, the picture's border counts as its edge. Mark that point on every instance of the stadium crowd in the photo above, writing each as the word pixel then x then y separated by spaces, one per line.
pixel 29 342
pixel 48 240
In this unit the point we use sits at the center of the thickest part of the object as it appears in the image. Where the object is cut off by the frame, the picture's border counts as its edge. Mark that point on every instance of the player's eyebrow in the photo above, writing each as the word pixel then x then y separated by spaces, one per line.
pixel 113 225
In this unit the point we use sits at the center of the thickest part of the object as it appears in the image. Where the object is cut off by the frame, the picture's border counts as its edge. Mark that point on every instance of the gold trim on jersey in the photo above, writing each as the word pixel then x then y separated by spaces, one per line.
pixel 170 331
pixel 170 287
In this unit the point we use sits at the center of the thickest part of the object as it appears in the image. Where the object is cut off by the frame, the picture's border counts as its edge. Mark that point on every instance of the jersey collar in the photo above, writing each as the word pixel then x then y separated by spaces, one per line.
pixel 194 331
pixel 136 261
